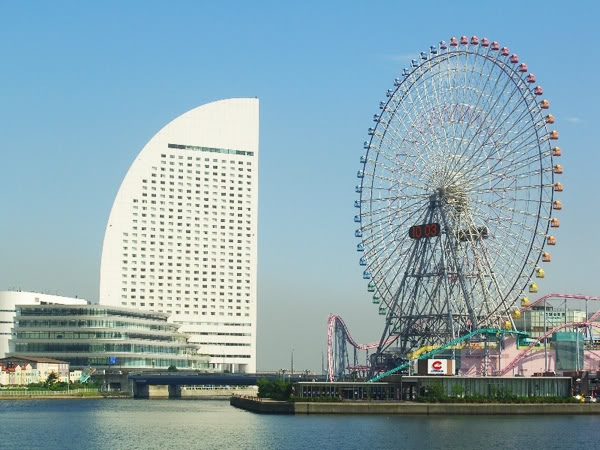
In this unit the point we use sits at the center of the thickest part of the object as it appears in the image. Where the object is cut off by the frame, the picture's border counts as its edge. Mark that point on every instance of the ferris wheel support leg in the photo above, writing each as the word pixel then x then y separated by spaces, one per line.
pixel 390 316
pixel 495 281
pixel 388 321
pixel 448 303
pixel 400 293
pixel 458 269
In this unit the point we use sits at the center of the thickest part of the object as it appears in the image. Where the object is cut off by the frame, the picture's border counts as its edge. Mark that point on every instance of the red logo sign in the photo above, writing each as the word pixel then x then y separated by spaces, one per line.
pixel 436 365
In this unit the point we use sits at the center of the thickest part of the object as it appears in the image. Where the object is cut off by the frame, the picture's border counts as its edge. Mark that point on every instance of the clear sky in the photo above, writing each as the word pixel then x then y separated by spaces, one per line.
pixel 84 85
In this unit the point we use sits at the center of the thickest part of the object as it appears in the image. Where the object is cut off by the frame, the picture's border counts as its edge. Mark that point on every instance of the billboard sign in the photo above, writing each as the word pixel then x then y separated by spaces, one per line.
pixel 437 366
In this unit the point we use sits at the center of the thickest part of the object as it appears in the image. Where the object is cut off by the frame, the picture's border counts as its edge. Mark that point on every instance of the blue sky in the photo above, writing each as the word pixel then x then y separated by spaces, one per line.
pixel 84 86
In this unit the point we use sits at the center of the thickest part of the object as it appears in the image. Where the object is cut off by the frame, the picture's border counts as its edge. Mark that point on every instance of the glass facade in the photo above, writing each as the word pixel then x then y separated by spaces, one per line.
pixel 93 336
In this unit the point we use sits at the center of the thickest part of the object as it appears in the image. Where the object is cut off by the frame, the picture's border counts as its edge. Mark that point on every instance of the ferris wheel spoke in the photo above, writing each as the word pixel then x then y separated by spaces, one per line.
pixel 422 131
pixel 527 159
pixel 396 198
pixel 434 113
pixel 381 216
pixel 517 159
pixel 412 112
pixel 376 240
pixel 400 251
pixel 504 240
pixel 505 189
pixel 507 208
pixel 487 116
pixel 513 246
pixel 533 140
pixel 508 174
pixel 532 127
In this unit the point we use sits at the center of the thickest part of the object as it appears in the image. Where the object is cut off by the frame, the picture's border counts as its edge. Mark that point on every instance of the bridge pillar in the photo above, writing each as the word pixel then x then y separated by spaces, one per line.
pixel 174 391
pixel 141 390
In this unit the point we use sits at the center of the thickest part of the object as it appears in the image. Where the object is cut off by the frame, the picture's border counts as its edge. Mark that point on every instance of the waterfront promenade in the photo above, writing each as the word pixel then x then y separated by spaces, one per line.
pixel 27 394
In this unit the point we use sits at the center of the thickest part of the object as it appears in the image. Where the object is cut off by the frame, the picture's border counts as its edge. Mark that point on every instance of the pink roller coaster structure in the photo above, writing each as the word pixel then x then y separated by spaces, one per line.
pixel 337 354
pixel 520 359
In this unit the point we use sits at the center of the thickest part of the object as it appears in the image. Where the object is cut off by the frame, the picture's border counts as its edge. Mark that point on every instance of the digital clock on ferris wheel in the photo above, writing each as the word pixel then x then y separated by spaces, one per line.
pixel 426 230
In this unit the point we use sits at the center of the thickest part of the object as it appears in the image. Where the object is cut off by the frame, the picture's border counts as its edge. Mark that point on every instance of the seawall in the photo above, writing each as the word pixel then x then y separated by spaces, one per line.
pixel 263 406
pixel 409 408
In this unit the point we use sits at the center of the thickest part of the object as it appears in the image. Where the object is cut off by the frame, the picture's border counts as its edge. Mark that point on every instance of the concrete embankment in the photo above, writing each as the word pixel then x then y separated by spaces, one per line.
pixel 408 408
pixel 263 406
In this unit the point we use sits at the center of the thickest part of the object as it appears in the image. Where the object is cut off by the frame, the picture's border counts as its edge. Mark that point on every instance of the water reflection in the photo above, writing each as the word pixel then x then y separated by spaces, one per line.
pixel 209 424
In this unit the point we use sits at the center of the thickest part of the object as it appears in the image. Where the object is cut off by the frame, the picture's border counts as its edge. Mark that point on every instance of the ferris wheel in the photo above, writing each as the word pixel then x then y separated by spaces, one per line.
pixel 457 193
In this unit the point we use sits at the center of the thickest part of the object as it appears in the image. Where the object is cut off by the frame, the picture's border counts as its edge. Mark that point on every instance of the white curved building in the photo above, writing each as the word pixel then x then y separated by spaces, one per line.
pixel 182 233
pixel 8 303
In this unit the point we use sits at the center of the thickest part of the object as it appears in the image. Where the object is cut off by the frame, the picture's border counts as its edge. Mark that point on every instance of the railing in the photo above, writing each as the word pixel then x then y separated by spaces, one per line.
pixel 26 393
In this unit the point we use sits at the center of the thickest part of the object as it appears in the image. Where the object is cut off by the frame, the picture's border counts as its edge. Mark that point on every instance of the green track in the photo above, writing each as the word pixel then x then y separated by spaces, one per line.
pixel 444 347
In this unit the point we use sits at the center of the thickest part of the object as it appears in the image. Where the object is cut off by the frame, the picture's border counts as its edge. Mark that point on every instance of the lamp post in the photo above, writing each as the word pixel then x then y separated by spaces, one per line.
pixel 292 366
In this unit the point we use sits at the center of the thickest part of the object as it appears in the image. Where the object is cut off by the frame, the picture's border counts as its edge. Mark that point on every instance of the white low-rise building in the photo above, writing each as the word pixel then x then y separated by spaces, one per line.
pixel 10 299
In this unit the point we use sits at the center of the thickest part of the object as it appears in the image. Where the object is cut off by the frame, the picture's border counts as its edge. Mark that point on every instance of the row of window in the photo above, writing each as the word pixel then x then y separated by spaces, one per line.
pixel 105 335
pixel 209 150
pixel 214 333
pixel 187 312
pixel 25 311
pixel 186 362
pixel 67 347
pixel 187 170
pixel 226 344
pixel 90 323
pixel 219 324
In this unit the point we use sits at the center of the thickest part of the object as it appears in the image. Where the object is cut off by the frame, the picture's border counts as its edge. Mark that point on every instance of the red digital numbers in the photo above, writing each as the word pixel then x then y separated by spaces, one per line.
pixel 424 231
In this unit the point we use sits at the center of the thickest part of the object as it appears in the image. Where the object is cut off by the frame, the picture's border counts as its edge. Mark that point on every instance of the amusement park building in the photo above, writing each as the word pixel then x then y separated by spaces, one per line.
pixel 10 299
pixel 532 321
pixel 181 238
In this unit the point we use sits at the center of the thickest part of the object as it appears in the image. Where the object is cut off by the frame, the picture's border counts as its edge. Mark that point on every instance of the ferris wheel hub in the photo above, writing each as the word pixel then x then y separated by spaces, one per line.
pixel 454 195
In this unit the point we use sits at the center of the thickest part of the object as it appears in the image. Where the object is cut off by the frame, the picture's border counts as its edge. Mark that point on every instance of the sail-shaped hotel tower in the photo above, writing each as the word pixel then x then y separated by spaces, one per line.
pixel 182 233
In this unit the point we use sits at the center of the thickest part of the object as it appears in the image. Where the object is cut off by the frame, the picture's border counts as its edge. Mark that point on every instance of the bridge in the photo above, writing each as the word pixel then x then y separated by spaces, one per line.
pixel 141 382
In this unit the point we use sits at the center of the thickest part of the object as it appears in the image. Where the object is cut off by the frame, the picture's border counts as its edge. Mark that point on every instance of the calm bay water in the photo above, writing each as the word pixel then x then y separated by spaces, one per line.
pixel 205 424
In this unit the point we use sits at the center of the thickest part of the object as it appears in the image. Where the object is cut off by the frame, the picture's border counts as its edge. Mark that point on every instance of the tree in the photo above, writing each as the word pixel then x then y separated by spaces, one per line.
pixel 458 390
pixel 276 390
pixel 51 379
pixel 172 369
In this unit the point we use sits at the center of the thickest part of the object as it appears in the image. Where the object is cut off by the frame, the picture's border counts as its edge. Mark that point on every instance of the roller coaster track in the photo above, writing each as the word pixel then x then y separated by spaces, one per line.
pixel 468 336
